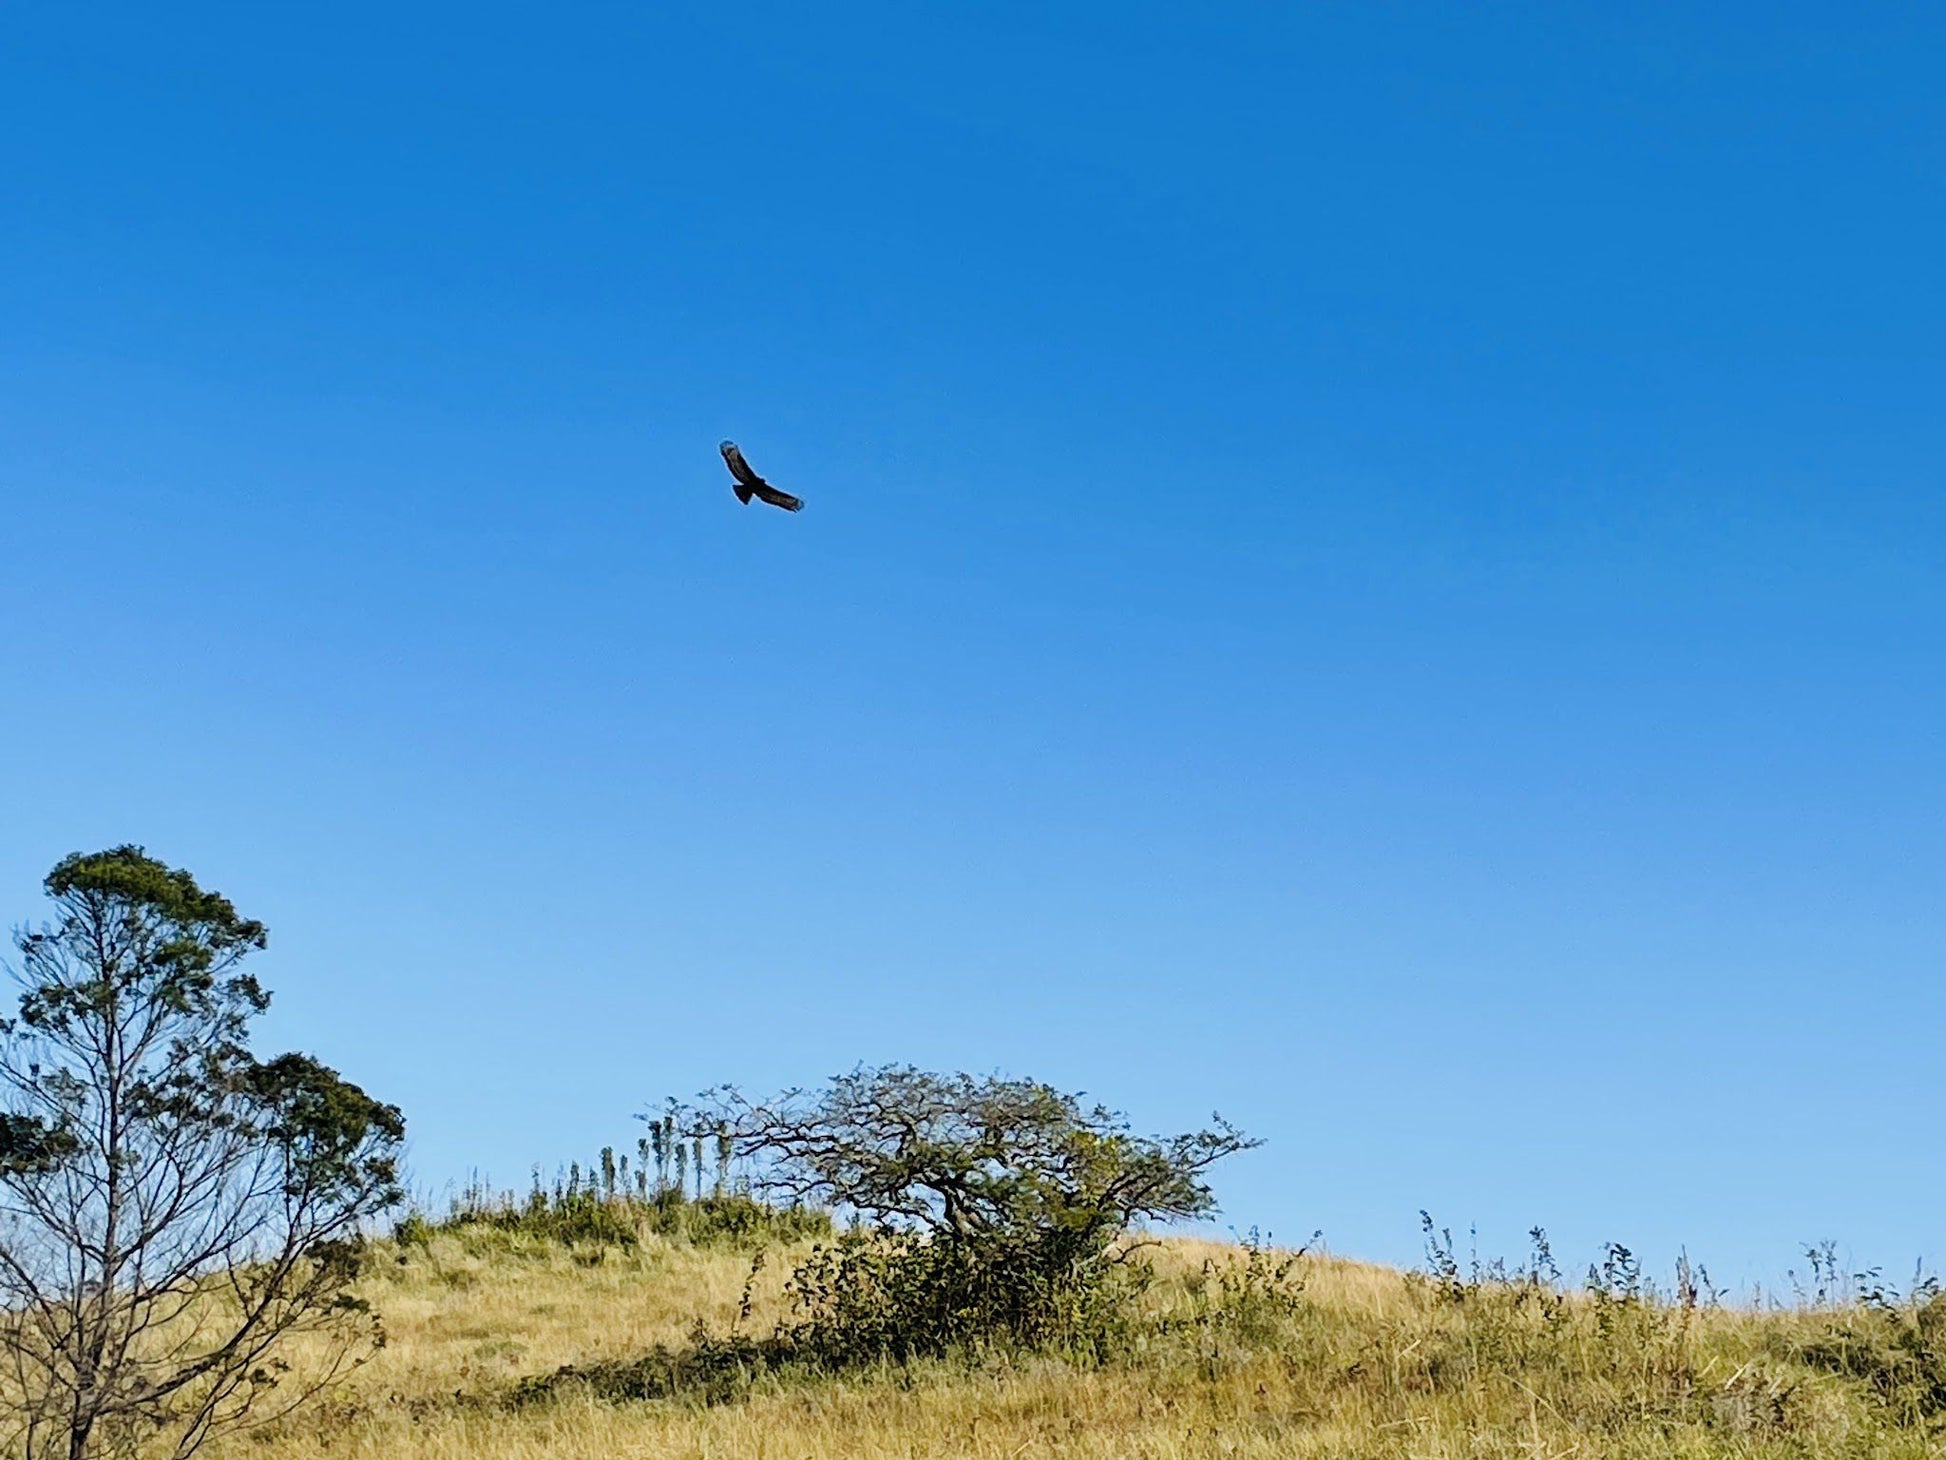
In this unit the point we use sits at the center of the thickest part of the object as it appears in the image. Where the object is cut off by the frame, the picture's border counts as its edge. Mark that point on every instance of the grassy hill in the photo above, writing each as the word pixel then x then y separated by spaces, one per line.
pixel 1237 1355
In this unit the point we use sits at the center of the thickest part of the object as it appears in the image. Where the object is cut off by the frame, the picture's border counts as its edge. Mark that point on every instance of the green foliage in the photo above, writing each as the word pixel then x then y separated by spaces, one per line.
pixel 899 1295
pixel 963 1154
pixel 1895 1345
pixel 157 938
pixel 1247 1302
pixel 579 1214
pixel 705 1371
pixel 31 1146
pixel 413 1230
pixel 339 1139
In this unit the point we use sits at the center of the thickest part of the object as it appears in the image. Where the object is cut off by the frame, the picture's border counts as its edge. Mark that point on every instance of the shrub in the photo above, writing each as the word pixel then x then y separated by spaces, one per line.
pixel 991 1214
pixel 1896 1346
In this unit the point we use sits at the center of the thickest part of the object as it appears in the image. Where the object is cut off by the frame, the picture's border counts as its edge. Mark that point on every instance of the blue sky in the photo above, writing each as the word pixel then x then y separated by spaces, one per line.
pixel 1374 568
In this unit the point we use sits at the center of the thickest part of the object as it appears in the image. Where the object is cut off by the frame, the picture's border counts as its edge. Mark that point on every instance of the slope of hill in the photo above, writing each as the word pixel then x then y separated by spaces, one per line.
pixel 1239 1355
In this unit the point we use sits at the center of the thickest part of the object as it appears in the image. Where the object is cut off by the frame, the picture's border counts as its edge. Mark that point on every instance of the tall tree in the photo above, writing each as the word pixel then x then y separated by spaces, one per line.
pixel 173 1210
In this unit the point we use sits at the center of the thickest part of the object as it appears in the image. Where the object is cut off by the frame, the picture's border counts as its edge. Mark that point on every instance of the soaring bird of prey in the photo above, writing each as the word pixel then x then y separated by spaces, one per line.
pixel 748 484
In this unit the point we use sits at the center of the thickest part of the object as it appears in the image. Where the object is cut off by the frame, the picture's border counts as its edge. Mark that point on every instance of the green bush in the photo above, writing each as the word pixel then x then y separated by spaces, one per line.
pixel 1897 1347
pixel 900 1296
pixel 1248 1301
pixel 707 1371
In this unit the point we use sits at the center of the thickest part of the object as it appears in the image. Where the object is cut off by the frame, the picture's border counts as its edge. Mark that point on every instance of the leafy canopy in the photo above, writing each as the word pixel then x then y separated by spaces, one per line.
pixel 962 1155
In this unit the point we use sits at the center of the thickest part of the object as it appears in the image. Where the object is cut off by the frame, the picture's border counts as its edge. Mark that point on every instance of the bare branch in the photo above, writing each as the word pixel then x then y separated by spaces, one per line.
pixel 172 1209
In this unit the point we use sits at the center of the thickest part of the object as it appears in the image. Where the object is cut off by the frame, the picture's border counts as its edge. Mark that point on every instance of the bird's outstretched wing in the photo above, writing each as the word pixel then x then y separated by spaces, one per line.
pixel 739 468
pixel 748 484
pixel 776 498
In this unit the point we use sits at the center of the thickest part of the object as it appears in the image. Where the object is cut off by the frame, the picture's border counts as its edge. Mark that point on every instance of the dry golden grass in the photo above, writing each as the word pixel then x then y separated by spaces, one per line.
pixel 1372 1365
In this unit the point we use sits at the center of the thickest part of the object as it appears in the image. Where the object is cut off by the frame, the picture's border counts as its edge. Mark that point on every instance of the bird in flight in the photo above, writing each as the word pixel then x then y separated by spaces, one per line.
pixel 748 484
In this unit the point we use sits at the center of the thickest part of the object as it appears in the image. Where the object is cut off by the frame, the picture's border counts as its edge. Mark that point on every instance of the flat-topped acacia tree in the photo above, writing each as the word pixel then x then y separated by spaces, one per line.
pixel 173 1210
pixel 963 1155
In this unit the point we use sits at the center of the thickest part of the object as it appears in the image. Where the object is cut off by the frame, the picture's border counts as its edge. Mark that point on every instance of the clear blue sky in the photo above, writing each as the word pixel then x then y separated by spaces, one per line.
pixel 1374 568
